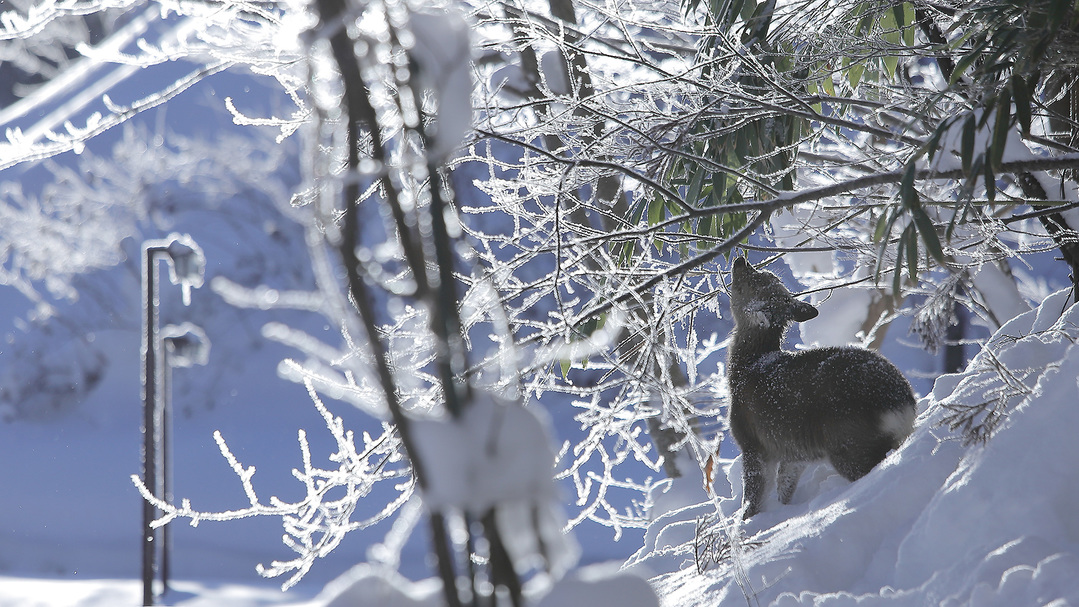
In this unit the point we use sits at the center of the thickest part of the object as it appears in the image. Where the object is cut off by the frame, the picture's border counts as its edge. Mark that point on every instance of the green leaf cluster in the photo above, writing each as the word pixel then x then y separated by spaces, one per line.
pixel 995 54
pixel 1002 46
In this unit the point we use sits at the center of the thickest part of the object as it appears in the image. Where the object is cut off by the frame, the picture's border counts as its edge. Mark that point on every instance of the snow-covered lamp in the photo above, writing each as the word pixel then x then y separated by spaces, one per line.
pixel 187 264
pixel 186 345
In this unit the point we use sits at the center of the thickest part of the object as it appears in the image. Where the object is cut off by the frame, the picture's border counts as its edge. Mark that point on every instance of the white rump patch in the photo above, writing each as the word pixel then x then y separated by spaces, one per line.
pixel 898 423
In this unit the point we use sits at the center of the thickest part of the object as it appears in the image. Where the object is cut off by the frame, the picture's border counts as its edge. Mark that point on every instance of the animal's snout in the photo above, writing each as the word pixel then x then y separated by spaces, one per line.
pixel 803 311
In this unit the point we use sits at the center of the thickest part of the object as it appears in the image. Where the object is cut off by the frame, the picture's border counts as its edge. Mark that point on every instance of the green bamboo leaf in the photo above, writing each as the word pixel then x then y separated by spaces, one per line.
pixel 952 223
pixel 736 7
pixel 720 183
pixel 964 64
pixel 987 111
pixel 748 9
pixel 756 27
pixel 589 326
pixel 655 210
pixel 737 222
pixel 1021 97
pixel 897 273
pixel 1001 127
pixel 706 226
pixel 637 211
pixel 565 364
pixel 865 24
pixel 898 14
pixel 929 233
pixel 907 194
pixel 977 170
pixel 990 183
pixel 884 226
pixel 912 256
pixel 967 147
pixel 813 89
pixel 787 183
pixel 909 29
pixel 693 194
pixel 891 64
pixel 623 250
pixel 855 73
pixel 881 249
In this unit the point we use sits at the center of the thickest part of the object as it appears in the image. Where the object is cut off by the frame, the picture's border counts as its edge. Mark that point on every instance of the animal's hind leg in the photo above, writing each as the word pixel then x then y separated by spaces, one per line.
pixel 855 461
pixel 789 472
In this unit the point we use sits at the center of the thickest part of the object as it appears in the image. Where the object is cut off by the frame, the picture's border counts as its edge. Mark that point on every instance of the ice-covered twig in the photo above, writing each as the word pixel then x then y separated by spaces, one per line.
pixel 315 524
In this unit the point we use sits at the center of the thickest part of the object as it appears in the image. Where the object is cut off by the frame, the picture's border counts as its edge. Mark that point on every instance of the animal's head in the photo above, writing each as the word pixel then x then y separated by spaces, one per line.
pixel 760 299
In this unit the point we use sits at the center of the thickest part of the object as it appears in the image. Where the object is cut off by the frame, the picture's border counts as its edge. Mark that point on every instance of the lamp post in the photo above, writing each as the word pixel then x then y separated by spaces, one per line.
pixel 186 266
pixel 186 345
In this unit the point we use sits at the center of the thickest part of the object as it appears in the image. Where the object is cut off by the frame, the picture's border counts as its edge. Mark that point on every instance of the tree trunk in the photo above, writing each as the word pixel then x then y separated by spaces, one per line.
pixel 1065 236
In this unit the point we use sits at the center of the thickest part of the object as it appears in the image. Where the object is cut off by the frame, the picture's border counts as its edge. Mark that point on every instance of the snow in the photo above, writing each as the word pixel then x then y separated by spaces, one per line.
pixel 367 586
pixel 937 522
pixel 186 344
pixel 600 585
pixel 34 592
pixel 499 456
pixel 555 72
pixel 187 263
pixel 1003 300
pixel 497 452
pixel 442 52
pixel 843 315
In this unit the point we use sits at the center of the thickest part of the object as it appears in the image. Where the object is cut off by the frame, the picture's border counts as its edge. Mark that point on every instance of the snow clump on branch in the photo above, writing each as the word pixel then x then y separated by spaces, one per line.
pixel 498 456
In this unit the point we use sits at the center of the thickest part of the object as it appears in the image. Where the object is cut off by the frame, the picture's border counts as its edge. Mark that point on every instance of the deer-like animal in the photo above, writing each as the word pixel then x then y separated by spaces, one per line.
pixel 847 405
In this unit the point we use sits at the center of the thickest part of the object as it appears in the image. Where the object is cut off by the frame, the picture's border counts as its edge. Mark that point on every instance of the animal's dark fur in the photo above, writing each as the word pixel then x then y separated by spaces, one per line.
pixel 849 406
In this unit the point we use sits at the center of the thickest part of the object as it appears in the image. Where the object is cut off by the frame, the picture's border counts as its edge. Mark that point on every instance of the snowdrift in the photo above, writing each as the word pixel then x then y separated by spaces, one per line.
pixel 938 522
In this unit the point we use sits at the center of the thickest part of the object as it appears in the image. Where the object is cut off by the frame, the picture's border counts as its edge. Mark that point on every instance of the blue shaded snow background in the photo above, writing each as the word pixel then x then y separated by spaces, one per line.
pixel 936 523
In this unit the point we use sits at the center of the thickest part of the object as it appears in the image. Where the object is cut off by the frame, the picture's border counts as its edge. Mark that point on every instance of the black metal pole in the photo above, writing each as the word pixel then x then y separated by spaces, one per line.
pixel 166 469
pixel 187 268
pixel 150 353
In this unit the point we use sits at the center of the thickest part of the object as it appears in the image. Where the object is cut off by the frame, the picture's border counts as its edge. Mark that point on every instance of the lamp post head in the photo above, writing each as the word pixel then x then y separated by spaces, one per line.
pixel 187 263
pixel 186 344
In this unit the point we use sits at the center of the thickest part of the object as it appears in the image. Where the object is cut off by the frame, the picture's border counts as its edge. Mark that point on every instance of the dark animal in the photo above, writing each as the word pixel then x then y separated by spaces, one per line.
pixel 849 406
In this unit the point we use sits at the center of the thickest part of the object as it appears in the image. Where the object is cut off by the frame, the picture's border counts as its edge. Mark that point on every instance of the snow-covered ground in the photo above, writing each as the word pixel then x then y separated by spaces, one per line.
pixel 937 523
pixel 39 592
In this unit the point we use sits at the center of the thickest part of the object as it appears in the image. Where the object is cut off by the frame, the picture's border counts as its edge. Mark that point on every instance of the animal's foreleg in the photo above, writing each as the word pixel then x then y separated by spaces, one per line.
pixel 754 480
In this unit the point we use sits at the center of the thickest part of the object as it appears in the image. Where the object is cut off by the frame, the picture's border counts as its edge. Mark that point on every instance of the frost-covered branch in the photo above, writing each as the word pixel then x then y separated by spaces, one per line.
pixel 997 382
pixel 315 524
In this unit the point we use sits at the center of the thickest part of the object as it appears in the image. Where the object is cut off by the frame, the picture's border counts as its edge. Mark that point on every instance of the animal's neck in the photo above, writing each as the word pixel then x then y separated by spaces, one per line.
pixel 751 343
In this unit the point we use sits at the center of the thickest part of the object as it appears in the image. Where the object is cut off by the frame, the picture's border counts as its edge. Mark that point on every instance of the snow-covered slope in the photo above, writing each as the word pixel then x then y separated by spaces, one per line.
pixel 938 522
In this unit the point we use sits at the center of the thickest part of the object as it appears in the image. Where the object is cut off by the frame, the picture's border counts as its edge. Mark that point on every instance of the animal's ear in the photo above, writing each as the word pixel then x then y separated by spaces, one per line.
pixel 741 266
pixel 803 311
